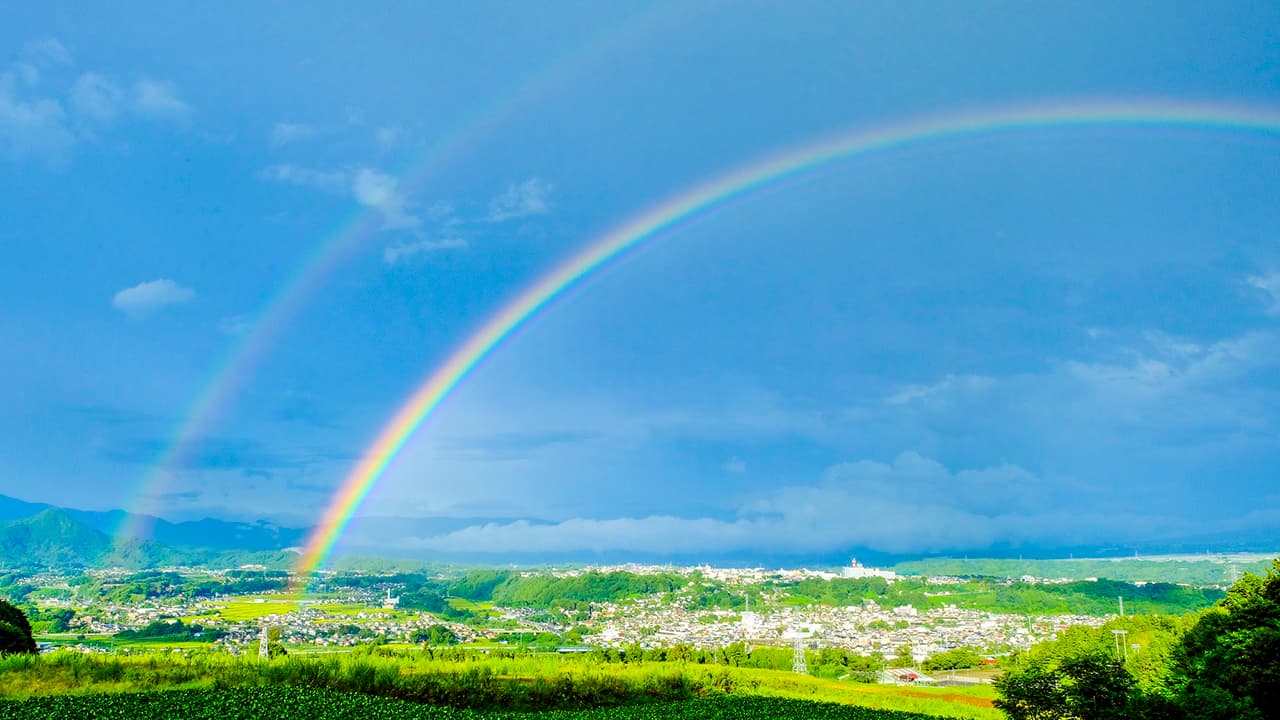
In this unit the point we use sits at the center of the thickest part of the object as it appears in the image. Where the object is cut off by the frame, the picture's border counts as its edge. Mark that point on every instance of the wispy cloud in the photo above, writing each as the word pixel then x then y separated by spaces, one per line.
pixel 31 127
pixel 34 118
pixel 41 55
pixel 337 182
pixel 404 253
pixel 49 52
pixel 388 137
pixel 148 297
pixel 1270 287
pixel 97 97
pixel 940 391
pixel 531 197
pixel 735 465
pixel 158 99
pixel 284 133
pixel 367 186
pixel 382 192
pixel 235 325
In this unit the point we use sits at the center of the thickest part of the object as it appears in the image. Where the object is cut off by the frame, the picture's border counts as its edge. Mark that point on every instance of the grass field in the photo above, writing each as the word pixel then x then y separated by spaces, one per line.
pixel 243 609
pixel 524 682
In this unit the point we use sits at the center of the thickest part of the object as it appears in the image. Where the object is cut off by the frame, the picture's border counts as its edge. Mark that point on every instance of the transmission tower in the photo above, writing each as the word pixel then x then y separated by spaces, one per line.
pixel 797 663
pixel 263 643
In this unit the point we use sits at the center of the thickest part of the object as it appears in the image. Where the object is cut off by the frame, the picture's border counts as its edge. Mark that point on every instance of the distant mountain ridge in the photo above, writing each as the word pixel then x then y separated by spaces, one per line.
pixel 54 538
pixel 206 533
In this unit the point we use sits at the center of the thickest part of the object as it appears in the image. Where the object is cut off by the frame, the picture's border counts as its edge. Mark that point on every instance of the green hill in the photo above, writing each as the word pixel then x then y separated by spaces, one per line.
pixel 53 538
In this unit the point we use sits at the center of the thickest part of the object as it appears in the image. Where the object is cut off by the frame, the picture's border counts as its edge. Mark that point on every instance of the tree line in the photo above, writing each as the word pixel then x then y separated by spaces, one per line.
pixel 1219 664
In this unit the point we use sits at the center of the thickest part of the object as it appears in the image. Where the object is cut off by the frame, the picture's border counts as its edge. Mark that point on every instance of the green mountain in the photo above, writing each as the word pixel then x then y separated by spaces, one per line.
pixel 53 538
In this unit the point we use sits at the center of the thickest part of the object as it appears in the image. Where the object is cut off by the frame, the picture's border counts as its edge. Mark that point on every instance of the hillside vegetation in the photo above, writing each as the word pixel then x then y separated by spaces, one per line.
pixel 1221 664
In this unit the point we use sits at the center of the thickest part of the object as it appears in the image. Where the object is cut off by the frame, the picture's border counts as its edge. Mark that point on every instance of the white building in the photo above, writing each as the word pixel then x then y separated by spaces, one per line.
pixel 854 570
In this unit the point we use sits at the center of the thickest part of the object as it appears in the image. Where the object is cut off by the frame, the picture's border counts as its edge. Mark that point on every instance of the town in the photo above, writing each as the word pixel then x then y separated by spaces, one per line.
pixel 907 619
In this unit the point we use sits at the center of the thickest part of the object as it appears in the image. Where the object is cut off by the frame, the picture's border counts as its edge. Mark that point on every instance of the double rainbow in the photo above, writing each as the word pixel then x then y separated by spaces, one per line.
pixel 739 182
pixel 233 371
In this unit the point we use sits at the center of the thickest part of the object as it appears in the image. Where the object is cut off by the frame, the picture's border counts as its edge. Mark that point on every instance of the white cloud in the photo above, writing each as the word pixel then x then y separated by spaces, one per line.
pixel 735 465
pixel 96 97
pixel 1270 286
pixel 148 297
pixel 158 99
pixel 381 191
pixel 284 133
pixel 403 253
pixel 531 197
pixel 31 128
pixel 42 54
pixel 337 182
pixel 47 52
pixel 913 504
pixel 367 186
pixel 942 391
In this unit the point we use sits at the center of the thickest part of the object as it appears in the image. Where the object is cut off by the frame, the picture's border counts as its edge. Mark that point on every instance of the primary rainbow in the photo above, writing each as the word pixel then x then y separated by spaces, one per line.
pixel 232 371
pixel 701 198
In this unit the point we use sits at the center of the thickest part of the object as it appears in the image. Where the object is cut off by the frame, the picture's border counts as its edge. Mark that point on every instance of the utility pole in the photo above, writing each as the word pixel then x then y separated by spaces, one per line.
pixel 1121 599
pixel 263 643
pixel 1122 644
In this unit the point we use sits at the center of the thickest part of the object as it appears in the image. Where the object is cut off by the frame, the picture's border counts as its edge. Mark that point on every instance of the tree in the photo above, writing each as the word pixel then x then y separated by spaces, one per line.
pixel 435 635
pixel 1229 661
pixel 1032 693
pixel 903 657
pixel 1097 688
pixel 15 631
pixel 275 648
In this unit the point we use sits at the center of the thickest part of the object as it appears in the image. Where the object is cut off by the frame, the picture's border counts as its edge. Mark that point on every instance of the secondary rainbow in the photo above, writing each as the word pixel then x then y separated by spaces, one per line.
pixel 234 369
pixel 704 197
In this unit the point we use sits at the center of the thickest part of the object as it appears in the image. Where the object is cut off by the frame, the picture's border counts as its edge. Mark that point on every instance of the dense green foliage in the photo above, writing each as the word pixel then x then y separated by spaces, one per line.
pixel 154 584
pixel 435 635
pixel 541 590
pixel 1022 598
pixel 292 703
pixel 15 631
pixel 428 599
pixel 957 659
pixel 1223 663
pixel 509 588
pixel 170 630
pixel 1188 570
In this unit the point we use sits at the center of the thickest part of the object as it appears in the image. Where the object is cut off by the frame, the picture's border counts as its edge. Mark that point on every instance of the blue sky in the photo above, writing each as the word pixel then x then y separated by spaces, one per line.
pixel 1043 339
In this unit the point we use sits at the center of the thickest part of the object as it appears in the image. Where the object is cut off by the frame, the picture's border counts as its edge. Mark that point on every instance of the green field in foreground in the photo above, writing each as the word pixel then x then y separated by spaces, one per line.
pixel 521 683
pixel 300 703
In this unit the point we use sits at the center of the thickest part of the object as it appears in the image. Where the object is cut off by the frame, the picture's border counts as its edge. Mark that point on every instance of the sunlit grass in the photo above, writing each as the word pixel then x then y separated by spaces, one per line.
pixel 408 673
